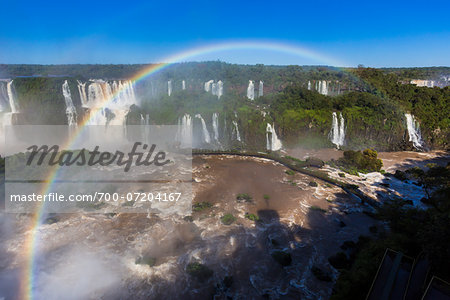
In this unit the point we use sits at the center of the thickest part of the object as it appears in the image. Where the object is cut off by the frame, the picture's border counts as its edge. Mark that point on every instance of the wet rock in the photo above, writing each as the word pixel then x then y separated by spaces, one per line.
pixel 51 219
pixel 409 202
pixel 313 184
pixel 315 162
pixel 199 271
pixel 321 274
pixel 348 245
pixel 400 175
pixel 339 261
pixel 282 257
pixel 146 260
pixel 274 242
pixel 188 218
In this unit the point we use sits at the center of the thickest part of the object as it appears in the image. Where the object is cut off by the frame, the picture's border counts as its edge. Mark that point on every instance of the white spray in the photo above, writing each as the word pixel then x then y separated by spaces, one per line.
pixel 184 135
pixel 236 131
pixel 82 92
pixel 205 133
pixel 251 90
pixel 116 96
pixel 337 133
pixel 169 87
pixel 215 124
pixel 71 111
pixel 414 131
pixel 208 85
pixel 7 102
pixel 273 143
pixel 12 100
pixel 219 89
pixel 216 88
pixel 323 87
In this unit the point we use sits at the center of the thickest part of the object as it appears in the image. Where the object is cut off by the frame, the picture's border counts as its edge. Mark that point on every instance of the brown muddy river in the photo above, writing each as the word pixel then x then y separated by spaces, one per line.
pixel 308 222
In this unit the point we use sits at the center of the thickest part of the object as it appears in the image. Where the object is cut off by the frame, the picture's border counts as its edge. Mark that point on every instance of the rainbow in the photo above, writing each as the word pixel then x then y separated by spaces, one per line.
pixel 28 279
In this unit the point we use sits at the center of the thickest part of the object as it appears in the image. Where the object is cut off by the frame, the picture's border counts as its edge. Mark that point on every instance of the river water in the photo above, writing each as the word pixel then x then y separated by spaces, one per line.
pixel 94 255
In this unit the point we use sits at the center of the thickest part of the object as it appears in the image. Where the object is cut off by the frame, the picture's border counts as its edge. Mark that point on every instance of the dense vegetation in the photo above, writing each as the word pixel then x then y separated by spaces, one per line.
pixel 373 102
pixel 412 231
pixel 430 105
pixel 305 118
pixel 41 100
pixel 274 77
pixel 432 73
pixel 359 161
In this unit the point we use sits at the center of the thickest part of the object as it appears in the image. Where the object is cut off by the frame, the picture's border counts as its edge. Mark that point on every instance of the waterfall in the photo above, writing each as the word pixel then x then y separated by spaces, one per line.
pixel 183 85
pixel 108 102
pixel 8 109
pixel 205 133
pixel 322 87
pixel 12 99
pixel 224 130
pixel 235 131
pixel 414 131
pixel 251 90
pixel 325 88
pixel 145 120
pixel 3 106
pixel 216 88
pixel 8 103
pixel 273 143
pixel 153 89
pixel 208 85
pixel 341 129
pixel 95 97
pixel 261 89
pixel 309 85
pixel 145 130
pixel 4 98
pixel 215 124
pixel 169 87
pixel 71 111
pixel 219 89
pixel 337 133
pixel 184 135
pixel 82 92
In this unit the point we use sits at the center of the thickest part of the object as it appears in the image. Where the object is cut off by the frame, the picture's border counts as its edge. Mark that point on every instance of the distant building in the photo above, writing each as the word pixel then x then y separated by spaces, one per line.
pixel 421 82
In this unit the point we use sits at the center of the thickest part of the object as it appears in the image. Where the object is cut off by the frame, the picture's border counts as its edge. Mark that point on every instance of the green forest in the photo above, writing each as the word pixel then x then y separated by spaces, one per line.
pixel 372 101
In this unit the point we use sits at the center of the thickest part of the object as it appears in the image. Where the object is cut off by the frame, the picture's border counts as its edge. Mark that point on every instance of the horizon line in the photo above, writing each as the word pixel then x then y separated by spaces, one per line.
pixel 219 61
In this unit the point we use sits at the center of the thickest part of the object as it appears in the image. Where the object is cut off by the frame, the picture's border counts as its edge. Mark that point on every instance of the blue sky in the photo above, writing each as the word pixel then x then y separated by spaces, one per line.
pixel 373 33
